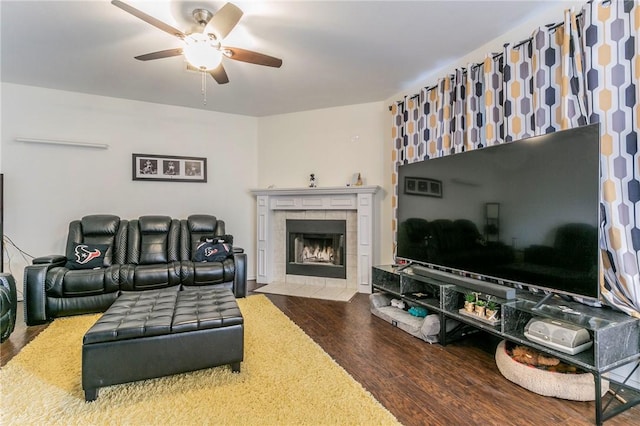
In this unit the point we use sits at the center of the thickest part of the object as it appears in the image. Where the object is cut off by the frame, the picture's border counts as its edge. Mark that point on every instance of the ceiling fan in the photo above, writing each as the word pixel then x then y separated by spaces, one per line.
pixel 203 47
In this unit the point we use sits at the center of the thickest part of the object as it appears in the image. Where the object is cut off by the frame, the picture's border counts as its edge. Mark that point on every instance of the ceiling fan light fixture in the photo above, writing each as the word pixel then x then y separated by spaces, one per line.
pixel 202 52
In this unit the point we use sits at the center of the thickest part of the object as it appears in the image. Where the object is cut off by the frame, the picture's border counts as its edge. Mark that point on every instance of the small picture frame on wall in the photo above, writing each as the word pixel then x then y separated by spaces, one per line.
pixel 423 186
pixel 169 168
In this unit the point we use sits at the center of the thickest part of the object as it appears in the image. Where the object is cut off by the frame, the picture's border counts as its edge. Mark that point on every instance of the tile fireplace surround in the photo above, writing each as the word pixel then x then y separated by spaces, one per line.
pixel 355 204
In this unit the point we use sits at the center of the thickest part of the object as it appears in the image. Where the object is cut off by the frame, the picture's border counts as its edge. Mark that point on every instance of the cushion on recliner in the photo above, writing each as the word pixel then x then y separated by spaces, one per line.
pixel 202 223
pixel 100 224
pixel 153 240
pixel 207 273
pixel 154 231
pixel 88 256
pixel 196 227
pixel 86 282
pixel 61 282
pixel 208 251
pixel 147 277
pixel 153 249
pixel 99 229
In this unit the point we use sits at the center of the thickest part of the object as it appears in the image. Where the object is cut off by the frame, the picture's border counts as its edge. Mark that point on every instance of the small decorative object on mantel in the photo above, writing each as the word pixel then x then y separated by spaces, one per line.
pixel 312 180
pixel 356 180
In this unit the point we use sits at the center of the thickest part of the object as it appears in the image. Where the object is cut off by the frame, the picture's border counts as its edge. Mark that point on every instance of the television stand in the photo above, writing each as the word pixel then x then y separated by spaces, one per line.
pixel 542 301
pixel 496 290
pixel 615 335
pixel 400 268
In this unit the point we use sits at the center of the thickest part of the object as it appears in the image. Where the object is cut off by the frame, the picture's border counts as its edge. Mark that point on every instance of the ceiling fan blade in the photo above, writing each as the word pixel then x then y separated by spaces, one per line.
pixel 148 18
pixel 252 57
pixel 224 20
pixel 219 74
pixel 159 55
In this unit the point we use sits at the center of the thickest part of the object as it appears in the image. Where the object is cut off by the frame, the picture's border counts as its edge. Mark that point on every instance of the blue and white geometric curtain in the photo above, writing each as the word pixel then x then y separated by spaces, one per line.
pixel 584 70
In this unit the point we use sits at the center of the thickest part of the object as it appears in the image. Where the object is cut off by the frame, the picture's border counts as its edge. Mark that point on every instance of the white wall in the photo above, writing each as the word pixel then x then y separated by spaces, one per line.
pixel 332 143
pixel 48 186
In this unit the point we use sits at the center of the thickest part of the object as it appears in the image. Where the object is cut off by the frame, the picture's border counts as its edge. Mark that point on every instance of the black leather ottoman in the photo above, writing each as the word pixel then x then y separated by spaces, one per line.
pixel 150 334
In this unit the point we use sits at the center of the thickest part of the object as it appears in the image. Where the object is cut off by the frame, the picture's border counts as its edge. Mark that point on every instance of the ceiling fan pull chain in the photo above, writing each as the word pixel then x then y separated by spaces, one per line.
pixel 204 88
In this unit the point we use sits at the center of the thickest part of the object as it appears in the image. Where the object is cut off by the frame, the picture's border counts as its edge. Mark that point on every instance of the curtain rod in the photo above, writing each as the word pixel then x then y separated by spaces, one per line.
pixel 552 26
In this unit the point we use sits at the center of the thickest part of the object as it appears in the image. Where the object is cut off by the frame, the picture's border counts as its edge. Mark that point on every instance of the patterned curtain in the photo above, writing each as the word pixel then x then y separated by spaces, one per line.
pixel 612 66
pixel 397 158
pixel 474 107
pixel 582 71
pixel 458 119
pixel 452 114
pixel 408 144
pixel 415 146
pixel 443 130
pixel 429 101
pixel 493 100
pixel 518 91
pixel 558 95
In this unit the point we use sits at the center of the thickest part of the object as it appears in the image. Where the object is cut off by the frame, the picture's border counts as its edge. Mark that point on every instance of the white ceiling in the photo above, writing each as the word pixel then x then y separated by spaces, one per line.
pixel 334 52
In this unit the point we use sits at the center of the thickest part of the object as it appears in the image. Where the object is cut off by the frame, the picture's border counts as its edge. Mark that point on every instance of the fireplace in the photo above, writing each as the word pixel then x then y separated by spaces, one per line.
pixel 316 248
pixel 357 205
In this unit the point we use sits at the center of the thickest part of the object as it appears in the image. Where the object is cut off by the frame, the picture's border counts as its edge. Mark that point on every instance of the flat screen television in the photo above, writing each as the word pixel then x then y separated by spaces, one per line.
pixel 523 213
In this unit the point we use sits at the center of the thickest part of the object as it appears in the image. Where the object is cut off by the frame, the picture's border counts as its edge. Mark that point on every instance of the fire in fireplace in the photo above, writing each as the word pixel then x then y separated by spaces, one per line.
pixel 316 248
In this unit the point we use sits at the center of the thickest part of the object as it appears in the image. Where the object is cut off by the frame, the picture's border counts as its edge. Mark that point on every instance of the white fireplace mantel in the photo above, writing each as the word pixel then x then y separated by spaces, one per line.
pixel 362 199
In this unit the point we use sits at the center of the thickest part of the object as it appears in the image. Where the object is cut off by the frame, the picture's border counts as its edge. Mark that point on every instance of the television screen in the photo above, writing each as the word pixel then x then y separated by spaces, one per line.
pixel 524 212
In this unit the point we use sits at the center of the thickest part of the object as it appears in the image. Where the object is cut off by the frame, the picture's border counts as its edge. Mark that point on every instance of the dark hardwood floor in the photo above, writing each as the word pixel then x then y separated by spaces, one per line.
pixel 19 338
pixel 421 384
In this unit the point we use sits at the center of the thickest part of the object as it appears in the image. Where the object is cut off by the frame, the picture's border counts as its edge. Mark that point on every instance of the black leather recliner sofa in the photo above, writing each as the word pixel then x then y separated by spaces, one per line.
pixel 106 255
pixel 8 305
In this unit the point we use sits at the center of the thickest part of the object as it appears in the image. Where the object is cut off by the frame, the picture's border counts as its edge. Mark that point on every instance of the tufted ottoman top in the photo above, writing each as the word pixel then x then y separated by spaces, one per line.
pixel 198 309
pixel 160 312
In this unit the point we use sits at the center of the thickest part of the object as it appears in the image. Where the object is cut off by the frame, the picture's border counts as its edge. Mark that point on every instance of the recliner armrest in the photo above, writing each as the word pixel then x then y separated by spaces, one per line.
pixel 57 259
pixel 35 298
pixel 237 250
pixel 240 278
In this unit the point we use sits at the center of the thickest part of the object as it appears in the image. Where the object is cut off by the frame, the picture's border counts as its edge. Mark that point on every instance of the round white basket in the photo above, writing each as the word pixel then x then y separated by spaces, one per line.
pixel 575 387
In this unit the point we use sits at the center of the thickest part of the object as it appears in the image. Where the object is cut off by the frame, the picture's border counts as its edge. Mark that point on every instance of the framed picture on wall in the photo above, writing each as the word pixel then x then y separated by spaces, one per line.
pixel 423 186
pixel 173 168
